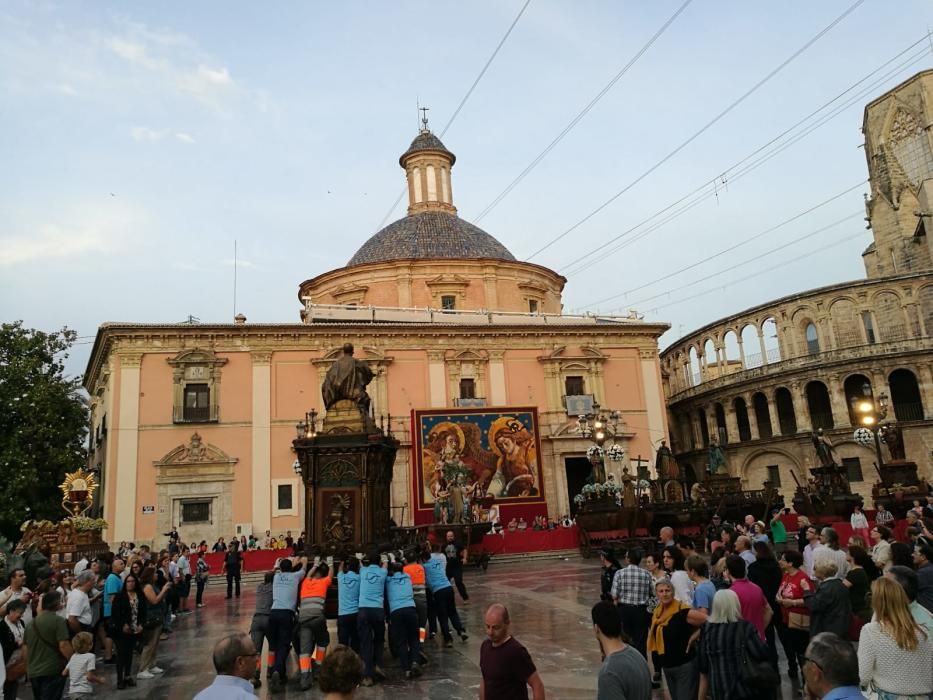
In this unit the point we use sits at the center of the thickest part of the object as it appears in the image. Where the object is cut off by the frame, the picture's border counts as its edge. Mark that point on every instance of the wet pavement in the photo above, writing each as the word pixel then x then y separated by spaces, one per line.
pixel 549 602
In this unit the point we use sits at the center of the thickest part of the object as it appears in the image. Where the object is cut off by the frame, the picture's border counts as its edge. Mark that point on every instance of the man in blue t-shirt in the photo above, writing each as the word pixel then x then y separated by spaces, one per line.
pixel 112 586
pixel 704 590
pixel 348 604
pixel 442 596
pixel 371 618
pixel 404 617
pixel 285 584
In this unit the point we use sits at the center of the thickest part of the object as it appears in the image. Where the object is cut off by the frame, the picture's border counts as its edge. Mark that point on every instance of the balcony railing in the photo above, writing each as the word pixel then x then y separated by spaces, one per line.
pixel 476 402
pixel 200 414
pixel 906 412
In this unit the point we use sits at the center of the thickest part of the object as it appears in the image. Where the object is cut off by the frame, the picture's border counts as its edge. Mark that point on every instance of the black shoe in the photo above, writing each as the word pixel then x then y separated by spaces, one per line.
pixel 305 681
pixel 130 682
pixel 121 685
pixel 275 683
pixel 415 670
pixel 422 659
pixel 449 643
pixel 433 635
pixel 464 636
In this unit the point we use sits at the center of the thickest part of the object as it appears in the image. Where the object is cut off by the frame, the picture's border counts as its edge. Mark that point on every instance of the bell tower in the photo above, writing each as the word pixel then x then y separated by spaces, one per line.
pixel 427 164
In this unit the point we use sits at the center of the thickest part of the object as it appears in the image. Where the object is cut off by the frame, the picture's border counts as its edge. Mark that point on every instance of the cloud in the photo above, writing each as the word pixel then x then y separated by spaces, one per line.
pixel 52 241
pixel 186 138
pixel 143 133
pixel 65 89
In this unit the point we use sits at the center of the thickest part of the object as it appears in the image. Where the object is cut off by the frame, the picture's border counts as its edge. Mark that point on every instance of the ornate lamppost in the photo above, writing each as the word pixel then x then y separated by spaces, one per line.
pixel 870 412
pixel 597 427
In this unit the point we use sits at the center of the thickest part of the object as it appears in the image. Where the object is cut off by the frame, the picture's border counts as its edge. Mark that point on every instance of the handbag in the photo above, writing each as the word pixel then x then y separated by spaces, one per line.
pixel 16 666
pixel 757 675
pixel 798 621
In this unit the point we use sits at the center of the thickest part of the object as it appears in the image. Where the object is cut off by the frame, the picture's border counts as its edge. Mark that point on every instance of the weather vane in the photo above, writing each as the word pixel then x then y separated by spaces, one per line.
pixel 424 118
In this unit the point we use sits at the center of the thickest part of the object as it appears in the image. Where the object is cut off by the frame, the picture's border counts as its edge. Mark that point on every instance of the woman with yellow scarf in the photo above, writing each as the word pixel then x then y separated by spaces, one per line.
pixel 673 637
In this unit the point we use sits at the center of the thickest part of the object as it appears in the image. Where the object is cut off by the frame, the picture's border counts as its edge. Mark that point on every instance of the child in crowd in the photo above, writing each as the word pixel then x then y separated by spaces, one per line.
pixel 80 668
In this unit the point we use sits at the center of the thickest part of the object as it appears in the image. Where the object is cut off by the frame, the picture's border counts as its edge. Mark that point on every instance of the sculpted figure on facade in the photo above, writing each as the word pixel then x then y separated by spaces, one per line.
pixel 347 379
pixel 825 449
pixel 717 459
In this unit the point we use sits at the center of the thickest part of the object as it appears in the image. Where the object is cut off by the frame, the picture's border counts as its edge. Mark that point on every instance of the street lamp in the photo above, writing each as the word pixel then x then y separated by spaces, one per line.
pixel 869 413
pixel 597 427
pixel 308 427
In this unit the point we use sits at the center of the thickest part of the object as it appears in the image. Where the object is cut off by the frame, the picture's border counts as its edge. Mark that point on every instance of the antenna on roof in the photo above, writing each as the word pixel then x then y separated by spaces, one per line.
pixel 234 275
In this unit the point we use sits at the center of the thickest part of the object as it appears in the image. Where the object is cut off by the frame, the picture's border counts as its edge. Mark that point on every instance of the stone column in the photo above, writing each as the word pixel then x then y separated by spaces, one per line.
pixel 437 381
pixel 925 380
pixel 654 399
pixel 262 443
pixel 761 344
pixel 497 393
pixel 773 416
pixel 837 400
pixel 732 423
pixel 127 431
pixel 752 417
pixel 741 351
pixel 801 409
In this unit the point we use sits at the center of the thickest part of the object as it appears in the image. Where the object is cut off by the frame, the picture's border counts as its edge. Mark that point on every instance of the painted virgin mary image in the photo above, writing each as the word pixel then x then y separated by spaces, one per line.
pixel 517 464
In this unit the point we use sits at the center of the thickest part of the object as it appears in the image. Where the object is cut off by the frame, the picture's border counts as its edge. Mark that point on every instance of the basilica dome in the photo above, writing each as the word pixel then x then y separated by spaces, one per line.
pixel 430 234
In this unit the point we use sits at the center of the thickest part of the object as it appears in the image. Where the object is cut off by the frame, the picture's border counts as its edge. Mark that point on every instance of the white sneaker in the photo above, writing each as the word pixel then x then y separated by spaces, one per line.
pixel 173 618
pixel 145 675
pixel 156 669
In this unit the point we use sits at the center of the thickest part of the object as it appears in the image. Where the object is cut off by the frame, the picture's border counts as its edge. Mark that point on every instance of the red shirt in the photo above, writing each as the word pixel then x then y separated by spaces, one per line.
pixel 792 587
pixel 506 670
pixel 753 603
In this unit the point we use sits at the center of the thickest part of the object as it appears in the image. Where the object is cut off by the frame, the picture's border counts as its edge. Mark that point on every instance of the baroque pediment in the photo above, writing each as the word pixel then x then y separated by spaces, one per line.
pixel 195 452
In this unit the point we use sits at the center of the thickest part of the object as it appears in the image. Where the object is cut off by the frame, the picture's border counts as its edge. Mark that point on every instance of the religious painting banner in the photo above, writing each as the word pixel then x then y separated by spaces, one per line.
pixel 466 455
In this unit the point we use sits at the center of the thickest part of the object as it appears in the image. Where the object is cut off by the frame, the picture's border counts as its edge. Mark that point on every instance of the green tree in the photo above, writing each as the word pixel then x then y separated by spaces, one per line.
pixel 43 424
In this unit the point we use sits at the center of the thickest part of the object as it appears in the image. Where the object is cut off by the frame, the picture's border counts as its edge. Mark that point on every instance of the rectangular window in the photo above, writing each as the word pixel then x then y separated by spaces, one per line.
pixel 532 306
pixel 869 327
pixel 196 512
pixel 467 388
pixel 448 302
pixel 573 386
pixel 197 402
pixel 284 497
pixel 774 475
pixel 853 466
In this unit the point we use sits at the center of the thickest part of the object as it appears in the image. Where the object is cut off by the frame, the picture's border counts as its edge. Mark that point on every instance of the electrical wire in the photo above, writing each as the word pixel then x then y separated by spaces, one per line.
pixel 710 187
pixel 733 247
pixel 703 129
pixel 755 275
pixel 582 113
pixel 462 102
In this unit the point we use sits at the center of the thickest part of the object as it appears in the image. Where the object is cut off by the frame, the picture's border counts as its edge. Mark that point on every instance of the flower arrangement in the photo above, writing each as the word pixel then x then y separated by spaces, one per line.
pixel 588 489
pixel 579 499
pixel 41 524
pixel 616 452
pixel 594 452
pixel 83 524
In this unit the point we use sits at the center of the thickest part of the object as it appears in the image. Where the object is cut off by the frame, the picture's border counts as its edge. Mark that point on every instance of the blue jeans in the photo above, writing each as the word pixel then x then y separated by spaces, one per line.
pixel 371 623
pixel 347 632
pixel 48 687
pixel 405 636
pixel 280 628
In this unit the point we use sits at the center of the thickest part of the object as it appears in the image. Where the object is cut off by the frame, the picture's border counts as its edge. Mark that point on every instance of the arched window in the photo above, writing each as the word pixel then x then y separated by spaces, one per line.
pixel 770 336
pixel 813 340
pixel 741 419
pixel 704 429
pixel 762 416
pixel 730 344
pixel 856 387
pixel 905 395
pixel 721 430
pixel 787 420
pixel 821 410
pixel 709 353
pixel 751 347
pixel 694 368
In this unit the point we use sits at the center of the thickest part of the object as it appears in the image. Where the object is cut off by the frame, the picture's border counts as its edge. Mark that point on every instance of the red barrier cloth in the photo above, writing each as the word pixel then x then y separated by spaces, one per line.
pixel 253 560
pixel 529 540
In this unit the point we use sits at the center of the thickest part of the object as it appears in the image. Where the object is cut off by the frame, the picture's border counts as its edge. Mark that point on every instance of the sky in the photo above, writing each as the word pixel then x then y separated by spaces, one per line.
pixel 139 142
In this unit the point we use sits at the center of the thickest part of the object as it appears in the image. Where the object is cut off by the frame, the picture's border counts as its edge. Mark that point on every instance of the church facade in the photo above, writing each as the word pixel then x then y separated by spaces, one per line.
pixel 192 425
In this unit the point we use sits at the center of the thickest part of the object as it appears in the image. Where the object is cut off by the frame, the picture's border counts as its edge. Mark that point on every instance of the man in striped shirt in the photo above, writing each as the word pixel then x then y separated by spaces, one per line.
pixel 631 589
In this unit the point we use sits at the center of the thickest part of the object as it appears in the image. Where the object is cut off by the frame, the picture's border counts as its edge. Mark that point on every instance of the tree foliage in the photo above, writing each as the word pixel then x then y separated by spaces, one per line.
pixel 43 424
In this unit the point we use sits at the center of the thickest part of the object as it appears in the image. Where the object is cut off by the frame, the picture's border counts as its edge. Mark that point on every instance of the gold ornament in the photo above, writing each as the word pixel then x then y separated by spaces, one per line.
pixel 78 492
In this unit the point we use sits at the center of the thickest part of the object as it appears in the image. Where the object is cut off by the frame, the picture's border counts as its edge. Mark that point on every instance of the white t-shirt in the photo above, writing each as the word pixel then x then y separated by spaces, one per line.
pixel 79 606
pixel 9 594
pixel 78 667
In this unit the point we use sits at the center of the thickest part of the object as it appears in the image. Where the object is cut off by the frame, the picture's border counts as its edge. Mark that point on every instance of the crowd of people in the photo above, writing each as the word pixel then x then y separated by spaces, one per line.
pixel 712 628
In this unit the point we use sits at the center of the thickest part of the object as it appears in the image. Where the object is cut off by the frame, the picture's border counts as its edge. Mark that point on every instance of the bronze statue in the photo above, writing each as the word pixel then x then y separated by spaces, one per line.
pixel 894 439
pixel 347 379
pixel 825 450
pixel 665 464
pixel 717 459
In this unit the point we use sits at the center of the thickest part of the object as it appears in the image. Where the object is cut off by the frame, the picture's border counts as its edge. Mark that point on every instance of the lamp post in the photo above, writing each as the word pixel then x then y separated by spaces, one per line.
pixel 597 427
pixel 308 427
pixel 869 414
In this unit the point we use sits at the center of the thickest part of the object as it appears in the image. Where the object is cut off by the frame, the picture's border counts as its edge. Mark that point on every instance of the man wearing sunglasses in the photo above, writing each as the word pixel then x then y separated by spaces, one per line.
pixel 830 669
pixel 235 662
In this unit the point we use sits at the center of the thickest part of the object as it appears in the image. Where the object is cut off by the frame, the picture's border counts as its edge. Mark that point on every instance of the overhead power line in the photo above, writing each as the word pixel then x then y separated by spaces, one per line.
pixel 757 274
pixel 462 101
pixel 703 129
pixel 759 256
pixel 573 122
pixel 735 246
pixel 713 186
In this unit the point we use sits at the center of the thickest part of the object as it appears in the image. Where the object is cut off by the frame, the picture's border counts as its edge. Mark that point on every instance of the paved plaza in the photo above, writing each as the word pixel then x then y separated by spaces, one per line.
pixel 549 601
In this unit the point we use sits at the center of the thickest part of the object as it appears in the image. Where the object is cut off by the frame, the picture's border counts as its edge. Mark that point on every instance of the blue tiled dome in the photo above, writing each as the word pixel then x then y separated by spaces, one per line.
pixel 430 234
